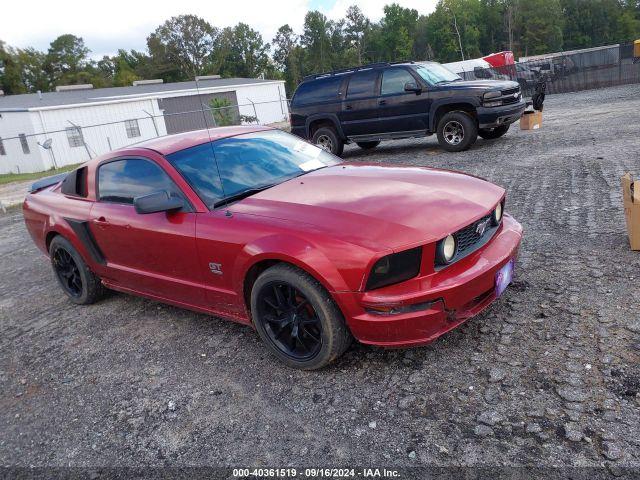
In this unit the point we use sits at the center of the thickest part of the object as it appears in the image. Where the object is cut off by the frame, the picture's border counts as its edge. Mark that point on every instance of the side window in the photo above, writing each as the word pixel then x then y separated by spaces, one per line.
pixel 362 84
pixel 321 90
pixel 74 136
pixel 25 144
pixel 123 180
pixel 393 80
pixel 132 128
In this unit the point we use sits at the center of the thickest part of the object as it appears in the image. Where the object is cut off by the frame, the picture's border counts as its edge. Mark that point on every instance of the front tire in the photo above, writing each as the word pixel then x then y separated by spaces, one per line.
pixel 297 319
pixel 79 283
pixel 491 133
pixel 368 145
pixel 457 131
pixel 327 139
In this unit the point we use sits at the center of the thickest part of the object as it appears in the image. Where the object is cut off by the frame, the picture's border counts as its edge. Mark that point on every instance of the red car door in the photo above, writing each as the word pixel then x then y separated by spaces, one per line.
pixel 152 253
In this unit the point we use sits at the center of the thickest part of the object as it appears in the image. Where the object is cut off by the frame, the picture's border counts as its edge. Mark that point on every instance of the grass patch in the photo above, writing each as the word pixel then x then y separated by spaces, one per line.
pixel 23 177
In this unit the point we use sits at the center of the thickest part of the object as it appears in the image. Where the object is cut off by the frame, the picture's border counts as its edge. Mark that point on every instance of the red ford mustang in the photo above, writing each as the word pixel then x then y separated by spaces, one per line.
pixel 259 226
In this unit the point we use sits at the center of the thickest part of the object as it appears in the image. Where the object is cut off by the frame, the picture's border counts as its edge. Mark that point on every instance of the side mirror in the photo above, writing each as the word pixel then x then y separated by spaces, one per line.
pixel 157 202
pixel 412 87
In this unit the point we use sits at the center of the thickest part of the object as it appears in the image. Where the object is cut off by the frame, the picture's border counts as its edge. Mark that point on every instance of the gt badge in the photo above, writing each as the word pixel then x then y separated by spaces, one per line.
pixel 216 268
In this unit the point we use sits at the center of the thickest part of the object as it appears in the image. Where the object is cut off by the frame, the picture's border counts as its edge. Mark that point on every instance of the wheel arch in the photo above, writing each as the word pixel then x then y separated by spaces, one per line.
pixel 256 258
pixel 75 232
pixel 51 234
pixel 314 122
pixel 439 109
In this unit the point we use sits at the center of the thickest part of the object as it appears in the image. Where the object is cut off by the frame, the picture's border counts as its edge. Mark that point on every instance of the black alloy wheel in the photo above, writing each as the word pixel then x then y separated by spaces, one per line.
pixel 290 321
pixel 68 272
pixel 78 282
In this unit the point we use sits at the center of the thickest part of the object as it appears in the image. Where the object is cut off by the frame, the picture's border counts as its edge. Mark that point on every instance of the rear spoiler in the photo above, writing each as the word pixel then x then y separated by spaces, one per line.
pixel 47 182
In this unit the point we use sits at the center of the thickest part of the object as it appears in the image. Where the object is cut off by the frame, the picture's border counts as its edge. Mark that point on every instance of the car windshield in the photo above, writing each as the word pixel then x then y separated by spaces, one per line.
pixel 434 73
pixel 236 167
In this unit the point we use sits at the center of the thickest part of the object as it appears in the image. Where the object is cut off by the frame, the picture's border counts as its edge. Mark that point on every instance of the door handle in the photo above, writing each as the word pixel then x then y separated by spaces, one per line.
pixel 101 221
pixel 382 102
pixel 348 107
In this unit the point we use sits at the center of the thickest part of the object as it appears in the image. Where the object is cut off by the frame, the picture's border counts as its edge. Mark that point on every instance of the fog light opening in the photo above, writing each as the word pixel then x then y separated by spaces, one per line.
pixel 386 310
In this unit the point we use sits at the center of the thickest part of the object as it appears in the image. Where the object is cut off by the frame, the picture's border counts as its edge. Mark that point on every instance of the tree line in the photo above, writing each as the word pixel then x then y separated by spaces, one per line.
pixel 187 45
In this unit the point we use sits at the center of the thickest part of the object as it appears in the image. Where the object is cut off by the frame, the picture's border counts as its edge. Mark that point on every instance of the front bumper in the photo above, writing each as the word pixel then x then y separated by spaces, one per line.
pixel 490 117
pixel 456 293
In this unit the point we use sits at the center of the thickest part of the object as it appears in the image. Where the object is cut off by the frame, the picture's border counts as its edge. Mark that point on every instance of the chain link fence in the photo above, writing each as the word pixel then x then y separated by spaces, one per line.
pixel 76 136
pixel 569 71
pixel 74 141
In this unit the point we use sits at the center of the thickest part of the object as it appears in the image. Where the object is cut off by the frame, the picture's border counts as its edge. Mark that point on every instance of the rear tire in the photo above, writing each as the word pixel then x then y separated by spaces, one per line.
pixel 457 131
pixel 297 319
pixel 491 133
pixel 327 138
pixel 368 145
pixel 79 283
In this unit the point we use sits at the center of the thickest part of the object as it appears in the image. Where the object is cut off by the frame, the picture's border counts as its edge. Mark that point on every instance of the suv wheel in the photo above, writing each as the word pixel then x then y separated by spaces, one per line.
pixel 368 145
pixel 491 133
pixel 457 131
pixel 297 319
pixel 327 139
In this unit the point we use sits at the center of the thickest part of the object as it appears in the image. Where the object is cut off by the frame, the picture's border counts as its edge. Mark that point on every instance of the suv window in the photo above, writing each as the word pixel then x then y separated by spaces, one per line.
pixel 393 80
pixel 123 180
pixel 362 84
pixel 323 89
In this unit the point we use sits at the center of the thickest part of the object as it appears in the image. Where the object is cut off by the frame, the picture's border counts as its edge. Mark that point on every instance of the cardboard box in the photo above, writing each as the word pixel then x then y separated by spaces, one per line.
pixel 531 120
pixel 631 199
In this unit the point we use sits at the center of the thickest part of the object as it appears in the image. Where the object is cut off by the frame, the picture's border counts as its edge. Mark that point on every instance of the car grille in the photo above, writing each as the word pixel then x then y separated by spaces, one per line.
pixel 510 91
pixel 507 96
pixel 468 237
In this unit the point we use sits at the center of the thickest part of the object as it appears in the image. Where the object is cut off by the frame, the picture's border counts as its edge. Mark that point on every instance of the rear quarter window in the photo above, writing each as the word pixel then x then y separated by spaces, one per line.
pixel 315 91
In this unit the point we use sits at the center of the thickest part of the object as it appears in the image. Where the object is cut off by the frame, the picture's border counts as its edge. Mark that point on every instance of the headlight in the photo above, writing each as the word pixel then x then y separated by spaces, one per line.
pixel 395 268
pixel 446 250
pixel 497 215
pixel 489 99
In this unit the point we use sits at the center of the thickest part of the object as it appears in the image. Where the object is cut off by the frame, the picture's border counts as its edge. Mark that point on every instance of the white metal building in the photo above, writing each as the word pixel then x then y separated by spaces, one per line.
pixel 41 131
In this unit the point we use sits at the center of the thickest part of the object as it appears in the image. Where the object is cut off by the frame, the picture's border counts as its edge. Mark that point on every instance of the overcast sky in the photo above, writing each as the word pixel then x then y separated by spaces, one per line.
pixel 114 24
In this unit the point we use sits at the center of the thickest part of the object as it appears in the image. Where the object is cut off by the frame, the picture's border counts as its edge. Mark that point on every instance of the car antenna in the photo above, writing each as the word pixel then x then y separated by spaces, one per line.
pixel 212 118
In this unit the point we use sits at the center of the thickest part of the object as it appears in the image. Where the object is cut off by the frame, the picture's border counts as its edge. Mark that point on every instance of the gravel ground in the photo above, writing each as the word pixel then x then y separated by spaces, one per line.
pixel 548 376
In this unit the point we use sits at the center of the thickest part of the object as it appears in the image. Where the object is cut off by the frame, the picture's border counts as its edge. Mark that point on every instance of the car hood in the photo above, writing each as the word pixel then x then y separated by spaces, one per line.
pixel 481 85
pixel 378 207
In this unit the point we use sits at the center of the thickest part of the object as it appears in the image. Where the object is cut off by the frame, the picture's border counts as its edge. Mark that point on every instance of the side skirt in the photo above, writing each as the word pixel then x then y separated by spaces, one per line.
pixel 209 311
pixel 388 136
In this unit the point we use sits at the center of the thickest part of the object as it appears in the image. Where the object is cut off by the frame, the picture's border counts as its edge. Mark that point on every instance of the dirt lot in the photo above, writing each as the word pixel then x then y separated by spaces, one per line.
pixel 549 375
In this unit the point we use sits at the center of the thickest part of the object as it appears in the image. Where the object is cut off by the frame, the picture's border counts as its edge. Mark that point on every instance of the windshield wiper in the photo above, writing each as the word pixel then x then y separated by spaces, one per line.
pixel 242 194
pixel 252 191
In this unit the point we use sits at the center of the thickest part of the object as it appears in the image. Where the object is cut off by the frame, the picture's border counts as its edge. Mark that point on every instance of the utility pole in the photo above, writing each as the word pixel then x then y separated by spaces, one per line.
pixel 455 24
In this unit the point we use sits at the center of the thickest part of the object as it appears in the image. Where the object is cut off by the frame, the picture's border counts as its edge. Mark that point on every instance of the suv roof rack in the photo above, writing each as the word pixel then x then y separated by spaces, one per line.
pixel 350 70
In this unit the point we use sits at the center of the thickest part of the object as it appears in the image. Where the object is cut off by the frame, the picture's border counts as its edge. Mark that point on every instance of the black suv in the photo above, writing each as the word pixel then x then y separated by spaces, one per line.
pixel 386 101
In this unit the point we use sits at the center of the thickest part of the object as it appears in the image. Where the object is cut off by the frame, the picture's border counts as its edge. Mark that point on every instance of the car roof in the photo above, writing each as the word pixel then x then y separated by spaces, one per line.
pixel 341 73
pixel 173 143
